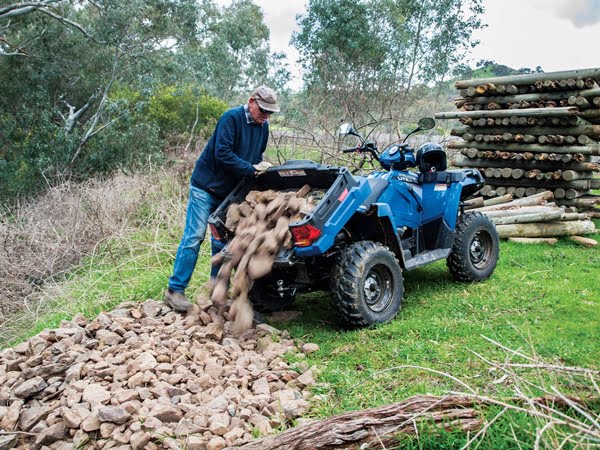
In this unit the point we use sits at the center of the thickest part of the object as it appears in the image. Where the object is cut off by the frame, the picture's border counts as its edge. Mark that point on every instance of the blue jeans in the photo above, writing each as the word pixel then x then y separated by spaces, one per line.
pixel 201 204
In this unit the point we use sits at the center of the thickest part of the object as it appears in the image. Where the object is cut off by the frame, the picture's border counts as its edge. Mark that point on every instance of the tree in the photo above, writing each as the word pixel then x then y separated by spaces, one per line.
pixel 62 61
pixel 366 56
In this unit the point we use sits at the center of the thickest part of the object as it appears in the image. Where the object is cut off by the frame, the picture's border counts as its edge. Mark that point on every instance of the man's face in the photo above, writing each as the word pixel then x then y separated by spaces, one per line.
pixel 259 115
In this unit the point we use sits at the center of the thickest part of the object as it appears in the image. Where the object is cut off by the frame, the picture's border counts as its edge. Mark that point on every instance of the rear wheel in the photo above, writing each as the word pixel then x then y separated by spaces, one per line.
pixel 367 285
pixel 474 254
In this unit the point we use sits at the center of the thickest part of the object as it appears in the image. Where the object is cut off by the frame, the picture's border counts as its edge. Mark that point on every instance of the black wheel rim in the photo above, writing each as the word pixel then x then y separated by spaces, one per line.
pixel 480 250
pixel 377 288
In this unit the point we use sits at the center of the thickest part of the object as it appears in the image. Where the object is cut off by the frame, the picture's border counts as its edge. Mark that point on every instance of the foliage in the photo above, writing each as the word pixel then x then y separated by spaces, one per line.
pixel 176 110
pixel 93 86
pixel 363 57
pixel 488 69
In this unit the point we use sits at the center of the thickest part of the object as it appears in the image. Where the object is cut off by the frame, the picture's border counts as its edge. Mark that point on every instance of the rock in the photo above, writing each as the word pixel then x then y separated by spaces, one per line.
pixel 29 417
pixel 51 434
pixel 261 423
pixel 139 440
pixel 261 386
pixel 11 417
pixel 310 348
pixel 186 427
pixel 214 331
pixel 151 308
pixel 108 338
pixel 166 413
pixel 113 414
pixel 267 329
pixel 195 443
pixel 71 419
pixel 218 404
pixel 145 361
pixel 8 441
pixel 91 423
pixel 30 387
pixel 216 443
pixel 95 394
pixel 306 378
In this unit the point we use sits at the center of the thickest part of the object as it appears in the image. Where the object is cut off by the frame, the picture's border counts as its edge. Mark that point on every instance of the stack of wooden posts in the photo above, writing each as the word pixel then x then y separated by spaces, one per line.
pixel 536 216
pixel 533 132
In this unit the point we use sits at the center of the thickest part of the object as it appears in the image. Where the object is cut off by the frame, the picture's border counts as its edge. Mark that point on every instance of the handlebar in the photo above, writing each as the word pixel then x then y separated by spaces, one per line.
pixel 350 150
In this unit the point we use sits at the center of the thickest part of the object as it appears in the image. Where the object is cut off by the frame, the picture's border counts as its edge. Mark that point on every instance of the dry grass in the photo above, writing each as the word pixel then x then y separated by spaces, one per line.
pixel 43 239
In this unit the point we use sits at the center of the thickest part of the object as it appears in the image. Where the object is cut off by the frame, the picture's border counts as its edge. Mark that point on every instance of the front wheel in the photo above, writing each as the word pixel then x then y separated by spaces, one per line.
pixel 367 285
pixel 474 254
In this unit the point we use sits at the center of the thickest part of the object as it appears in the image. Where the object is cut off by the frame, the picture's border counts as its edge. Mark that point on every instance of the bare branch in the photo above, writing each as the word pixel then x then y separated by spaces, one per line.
pixel 92 129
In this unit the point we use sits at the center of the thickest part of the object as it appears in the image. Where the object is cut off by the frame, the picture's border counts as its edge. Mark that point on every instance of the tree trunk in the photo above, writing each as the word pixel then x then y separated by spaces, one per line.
pixel 375 427
pixel 462 161
pixel 527 218
pixel 529 78
pixel 550 241
pixel 526 112
pixel 534 148
pixel 549 229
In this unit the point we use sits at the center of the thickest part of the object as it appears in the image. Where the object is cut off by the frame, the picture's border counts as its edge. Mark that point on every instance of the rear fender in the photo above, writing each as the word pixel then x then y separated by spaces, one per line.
pixel 377 224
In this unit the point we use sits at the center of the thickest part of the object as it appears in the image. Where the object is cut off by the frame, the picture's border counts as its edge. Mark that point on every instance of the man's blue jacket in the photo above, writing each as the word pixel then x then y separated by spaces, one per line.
pixel 235 146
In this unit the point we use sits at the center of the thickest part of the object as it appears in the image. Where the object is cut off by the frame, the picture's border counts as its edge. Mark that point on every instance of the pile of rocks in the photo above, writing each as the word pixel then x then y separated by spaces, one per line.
pixel 145 377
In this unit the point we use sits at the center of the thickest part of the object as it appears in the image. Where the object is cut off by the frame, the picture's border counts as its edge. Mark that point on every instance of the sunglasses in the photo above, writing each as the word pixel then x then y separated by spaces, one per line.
pixel 263 111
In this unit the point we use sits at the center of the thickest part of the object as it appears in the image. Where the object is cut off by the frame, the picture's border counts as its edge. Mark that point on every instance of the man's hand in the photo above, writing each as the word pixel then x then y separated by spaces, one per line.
pixel 262 166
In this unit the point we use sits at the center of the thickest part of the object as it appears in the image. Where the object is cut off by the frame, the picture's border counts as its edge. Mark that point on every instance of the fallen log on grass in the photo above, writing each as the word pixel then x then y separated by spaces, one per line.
pixel 586 242
pixel 524 240
pixel 546 229
pixel 376 427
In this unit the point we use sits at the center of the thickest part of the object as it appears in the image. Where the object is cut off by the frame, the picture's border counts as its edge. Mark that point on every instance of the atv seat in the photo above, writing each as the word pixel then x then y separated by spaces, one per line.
pixel 377 185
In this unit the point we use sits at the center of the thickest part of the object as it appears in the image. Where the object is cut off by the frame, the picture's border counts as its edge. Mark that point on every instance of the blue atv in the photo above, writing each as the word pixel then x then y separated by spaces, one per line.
pixel 365 231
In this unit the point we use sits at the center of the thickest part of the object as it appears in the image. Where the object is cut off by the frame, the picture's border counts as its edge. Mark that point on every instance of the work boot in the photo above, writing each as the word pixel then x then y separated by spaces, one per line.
pixel 177 301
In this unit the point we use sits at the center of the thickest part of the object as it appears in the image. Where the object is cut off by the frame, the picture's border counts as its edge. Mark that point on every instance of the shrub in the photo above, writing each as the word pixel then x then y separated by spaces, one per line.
pixel 174 110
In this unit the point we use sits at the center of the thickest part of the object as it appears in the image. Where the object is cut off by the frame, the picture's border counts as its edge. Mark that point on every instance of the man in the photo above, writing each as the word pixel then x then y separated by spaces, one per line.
pixel 234 151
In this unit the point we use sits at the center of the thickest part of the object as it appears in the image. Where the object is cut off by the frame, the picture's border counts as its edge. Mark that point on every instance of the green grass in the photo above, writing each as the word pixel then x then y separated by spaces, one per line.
pixel 543 301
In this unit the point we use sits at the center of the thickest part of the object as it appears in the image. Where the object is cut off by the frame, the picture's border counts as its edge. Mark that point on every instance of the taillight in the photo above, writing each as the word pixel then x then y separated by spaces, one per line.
pixel 214 231
pixel 305 235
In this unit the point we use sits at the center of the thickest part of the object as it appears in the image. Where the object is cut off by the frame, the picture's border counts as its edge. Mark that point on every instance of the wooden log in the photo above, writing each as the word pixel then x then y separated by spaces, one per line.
pixel 518 240
pixel 375 427
pixel 500 191
pixel 535 148
pixel 585 201
pixel 549 183
pixel 569 175
pixel 546 229
pixel 559 193
pixel 575 99
pixel 532 112
pixel 521 210
pixel 573 216
pixel 535 199
pixel 476 202
pixel 586 242
pixel 593 131
pixel 527 218
pixel 481 161
pixel 525 79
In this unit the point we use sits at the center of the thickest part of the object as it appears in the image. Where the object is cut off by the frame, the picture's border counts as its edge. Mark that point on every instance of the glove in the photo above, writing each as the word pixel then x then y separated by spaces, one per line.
pixel 262 166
